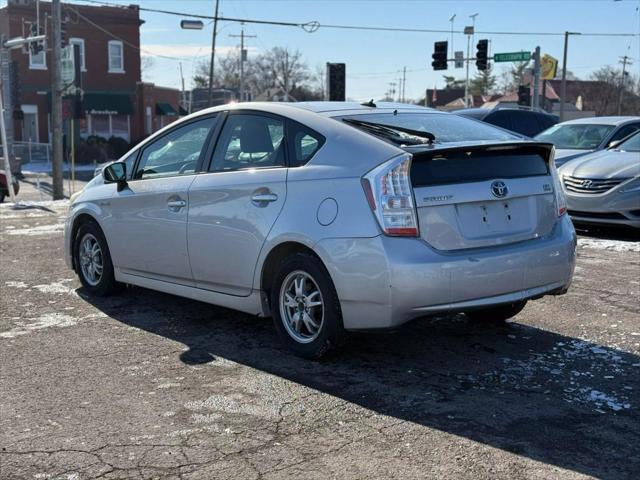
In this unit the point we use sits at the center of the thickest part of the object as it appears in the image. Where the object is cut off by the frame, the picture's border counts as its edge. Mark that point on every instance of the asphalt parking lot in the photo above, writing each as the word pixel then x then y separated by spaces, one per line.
pixel 146 385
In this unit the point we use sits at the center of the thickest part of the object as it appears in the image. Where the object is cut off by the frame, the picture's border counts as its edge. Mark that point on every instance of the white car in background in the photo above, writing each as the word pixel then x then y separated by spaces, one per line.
pixel 575 138
pixel 604 187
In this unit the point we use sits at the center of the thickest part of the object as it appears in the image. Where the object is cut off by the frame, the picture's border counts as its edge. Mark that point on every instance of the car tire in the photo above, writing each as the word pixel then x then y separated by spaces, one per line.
pixel 93 261
pixel 305 307
pixel 499 314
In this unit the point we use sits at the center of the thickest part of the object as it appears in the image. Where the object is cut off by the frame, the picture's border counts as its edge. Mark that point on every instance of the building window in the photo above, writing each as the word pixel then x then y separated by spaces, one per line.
pixel 80 43
pixel 107 126
pixel 39 61
pixel 116 58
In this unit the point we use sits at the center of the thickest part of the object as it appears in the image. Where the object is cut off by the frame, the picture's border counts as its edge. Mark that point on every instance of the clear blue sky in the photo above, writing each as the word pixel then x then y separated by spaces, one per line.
pixel 375 58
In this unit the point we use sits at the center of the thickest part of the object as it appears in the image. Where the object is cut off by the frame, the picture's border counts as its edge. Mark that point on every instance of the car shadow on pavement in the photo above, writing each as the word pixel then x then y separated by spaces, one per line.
pixel 538 394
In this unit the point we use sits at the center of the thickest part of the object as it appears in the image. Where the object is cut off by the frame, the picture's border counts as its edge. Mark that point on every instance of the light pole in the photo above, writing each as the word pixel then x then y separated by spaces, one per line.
pixel 453 17
pixel 469 31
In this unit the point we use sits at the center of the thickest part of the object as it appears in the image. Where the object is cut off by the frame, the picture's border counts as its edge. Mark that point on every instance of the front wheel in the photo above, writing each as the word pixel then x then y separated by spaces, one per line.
pixel 93 261
pixel 305 307
pixel 498 314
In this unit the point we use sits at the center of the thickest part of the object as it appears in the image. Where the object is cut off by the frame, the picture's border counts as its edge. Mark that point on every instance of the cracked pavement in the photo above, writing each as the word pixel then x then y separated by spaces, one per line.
pixel 147 385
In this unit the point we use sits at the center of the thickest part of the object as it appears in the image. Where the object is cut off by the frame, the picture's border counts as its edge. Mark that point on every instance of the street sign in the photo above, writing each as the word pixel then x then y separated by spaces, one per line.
pixel 548 67
pixel 459 59
pixel 512 57
pixel 66 60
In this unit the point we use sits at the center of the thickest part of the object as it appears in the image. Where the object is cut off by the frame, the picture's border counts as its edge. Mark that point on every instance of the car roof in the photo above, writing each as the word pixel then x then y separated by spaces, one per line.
pixel 601 121
pixel 323 107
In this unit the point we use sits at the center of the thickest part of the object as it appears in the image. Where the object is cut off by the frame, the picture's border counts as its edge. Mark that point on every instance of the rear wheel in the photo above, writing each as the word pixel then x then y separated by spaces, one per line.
pixel 498 314
pixel 93 261
pixel 305 307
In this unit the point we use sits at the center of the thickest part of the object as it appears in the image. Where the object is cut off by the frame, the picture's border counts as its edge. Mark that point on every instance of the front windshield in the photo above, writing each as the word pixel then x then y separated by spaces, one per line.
pixel 446 128
pixel 577 136
pixel 631 144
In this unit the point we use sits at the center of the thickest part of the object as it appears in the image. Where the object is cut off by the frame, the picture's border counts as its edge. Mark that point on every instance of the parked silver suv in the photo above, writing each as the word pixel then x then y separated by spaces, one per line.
pixel 329 217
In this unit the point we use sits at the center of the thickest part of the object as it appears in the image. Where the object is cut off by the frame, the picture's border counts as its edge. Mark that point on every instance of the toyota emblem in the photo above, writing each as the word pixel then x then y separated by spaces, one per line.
pixel 499 189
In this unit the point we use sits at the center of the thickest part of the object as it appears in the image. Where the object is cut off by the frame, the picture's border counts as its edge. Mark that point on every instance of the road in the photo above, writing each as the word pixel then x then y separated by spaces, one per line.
pixel 146 385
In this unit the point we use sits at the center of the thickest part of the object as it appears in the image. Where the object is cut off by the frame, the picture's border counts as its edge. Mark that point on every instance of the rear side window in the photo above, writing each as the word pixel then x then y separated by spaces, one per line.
pixel 250 141
pixel 304 143
pixel 461 166
pixel 500 119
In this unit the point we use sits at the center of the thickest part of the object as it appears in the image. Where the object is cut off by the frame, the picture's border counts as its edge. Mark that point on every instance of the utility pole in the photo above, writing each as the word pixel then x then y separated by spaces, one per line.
pixel 404 84
pixel 213 55
pixel 563 87
pixel 56 100
pixel 536 79
pixel 625 61
pixel 5 150
pixel 243 58
pixel 286 75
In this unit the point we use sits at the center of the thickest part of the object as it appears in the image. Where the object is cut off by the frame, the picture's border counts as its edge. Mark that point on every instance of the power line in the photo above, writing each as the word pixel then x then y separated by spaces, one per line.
pixel 313 26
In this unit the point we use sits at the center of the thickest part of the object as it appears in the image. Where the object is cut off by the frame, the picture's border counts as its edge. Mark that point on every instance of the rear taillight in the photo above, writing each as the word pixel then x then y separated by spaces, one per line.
pixel 390 196
pixel 561 201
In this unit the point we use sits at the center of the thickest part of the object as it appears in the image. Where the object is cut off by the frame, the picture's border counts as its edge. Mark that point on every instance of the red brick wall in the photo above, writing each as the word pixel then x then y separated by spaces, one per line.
pixel 148 95
pixel 123 23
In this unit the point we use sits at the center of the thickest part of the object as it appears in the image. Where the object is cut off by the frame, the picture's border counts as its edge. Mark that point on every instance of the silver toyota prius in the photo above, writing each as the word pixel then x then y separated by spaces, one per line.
pixel 329 217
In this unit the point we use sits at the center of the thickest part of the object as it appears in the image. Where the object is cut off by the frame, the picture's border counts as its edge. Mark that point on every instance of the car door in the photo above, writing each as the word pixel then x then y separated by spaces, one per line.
pixel 233 207
pixel 147 225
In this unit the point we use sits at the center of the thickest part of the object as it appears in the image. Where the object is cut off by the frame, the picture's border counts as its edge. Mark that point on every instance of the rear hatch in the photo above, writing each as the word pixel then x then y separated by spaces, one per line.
pixel 483 196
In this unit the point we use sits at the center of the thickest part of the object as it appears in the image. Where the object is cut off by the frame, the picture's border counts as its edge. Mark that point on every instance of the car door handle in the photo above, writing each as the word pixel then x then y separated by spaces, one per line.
pixel 176 204
pixel 264 197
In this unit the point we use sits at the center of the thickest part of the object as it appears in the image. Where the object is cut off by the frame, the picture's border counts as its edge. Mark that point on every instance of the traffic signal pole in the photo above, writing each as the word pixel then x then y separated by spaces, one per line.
pixel 56 100
pixel 536 79
pixel 469 32
pixel 5 151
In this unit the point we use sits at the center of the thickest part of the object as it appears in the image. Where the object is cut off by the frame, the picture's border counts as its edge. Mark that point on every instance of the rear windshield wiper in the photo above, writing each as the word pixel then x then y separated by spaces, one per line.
pixel 399 135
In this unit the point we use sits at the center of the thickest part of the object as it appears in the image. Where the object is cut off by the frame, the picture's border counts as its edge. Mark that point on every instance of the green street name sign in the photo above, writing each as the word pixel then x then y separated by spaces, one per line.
pixel 512 57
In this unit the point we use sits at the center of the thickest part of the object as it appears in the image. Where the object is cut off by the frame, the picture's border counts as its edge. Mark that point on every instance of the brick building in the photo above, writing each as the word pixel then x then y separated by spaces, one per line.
pixel 116 103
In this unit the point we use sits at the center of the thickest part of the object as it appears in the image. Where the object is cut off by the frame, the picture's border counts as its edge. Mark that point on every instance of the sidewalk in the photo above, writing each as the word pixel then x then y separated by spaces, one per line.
pixel 36 187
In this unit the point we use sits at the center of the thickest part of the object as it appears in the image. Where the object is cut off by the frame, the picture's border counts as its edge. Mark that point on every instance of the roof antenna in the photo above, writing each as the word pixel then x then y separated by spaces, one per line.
pixel 369 104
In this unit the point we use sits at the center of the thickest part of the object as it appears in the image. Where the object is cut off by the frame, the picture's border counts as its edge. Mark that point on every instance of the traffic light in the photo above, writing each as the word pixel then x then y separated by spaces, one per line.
pixel 440 55
pixel 64 40
pixel 524 95
pixel 336 82
pixel 35 47
pixel 482 54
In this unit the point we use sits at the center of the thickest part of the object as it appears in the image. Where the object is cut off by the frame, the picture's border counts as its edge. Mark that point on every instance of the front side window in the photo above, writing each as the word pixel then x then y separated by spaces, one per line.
pixel 625 131
pixel 250 141
pixel 632 144
pixel 176 153
pixel 116 57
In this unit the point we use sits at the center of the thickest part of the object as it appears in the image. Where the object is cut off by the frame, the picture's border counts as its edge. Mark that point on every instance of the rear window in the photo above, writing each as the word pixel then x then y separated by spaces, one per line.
pixel 464 166
pixel 447 128
pixel 576 136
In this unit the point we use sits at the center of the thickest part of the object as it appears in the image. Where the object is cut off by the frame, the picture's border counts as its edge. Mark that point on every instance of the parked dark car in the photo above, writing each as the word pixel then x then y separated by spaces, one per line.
pixel 523 121
pixel 4 191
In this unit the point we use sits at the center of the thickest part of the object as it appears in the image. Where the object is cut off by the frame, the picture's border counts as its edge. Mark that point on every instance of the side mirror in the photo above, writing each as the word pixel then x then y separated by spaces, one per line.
pixel 116 173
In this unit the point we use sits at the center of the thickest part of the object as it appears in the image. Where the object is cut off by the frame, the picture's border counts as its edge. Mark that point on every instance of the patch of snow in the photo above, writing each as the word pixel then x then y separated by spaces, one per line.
pixel 37 230
pixel 613 245
pixel 48 320
pixel 16 284
pixel 600 399
pixel 55 287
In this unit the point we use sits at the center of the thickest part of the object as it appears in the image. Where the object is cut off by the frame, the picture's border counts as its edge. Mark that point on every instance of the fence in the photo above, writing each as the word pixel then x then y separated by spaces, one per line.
pixel 32 155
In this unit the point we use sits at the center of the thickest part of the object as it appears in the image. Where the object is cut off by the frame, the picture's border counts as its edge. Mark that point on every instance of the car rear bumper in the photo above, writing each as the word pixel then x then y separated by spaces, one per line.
pixel 383 282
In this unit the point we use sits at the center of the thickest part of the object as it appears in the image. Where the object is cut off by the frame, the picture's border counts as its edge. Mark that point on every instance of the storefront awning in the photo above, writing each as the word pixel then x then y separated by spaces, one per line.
pixel 165 109
pixel 107 104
